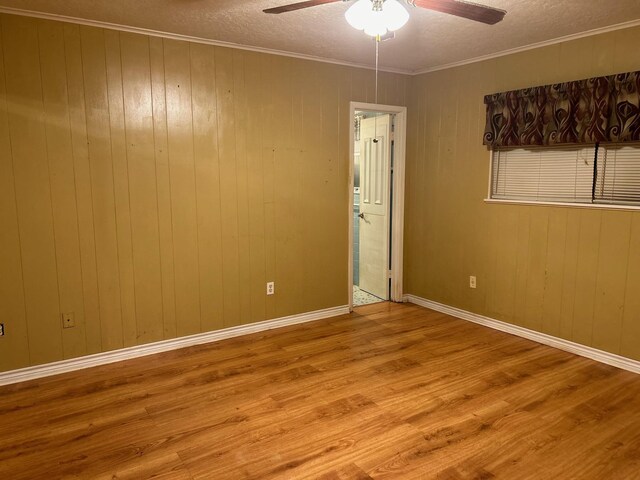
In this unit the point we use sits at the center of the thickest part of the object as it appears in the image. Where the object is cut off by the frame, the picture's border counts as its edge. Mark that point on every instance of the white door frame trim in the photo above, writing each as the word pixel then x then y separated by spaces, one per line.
pixel 397 223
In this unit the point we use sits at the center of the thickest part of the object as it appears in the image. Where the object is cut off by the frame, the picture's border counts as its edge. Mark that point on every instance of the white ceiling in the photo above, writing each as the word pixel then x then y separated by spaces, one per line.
pixel 429 40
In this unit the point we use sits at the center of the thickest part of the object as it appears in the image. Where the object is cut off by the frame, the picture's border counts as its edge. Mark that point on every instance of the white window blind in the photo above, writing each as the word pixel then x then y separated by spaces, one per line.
pixel 556 174
pixel 618 179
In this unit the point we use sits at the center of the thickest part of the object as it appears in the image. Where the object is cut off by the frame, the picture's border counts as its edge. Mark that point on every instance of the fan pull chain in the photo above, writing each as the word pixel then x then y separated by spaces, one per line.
pixel 377 48
pixel 375 119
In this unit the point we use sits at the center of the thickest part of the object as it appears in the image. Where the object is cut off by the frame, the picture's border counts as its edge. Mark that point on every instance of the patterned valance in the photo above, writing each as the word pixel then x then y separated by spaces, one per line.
pixel 600 109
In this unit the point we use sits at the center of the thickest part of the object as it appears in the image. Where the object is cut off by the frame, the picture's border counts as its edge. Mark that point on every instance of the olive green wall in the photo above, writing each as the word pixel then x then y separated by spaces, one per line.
pixel 568 272
pixel 153 187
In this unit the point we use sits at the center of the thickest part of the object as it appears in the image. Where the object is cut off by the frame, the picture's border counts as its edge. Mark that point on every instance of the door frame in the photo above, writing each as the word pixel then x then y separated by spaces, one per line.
pixel 397 200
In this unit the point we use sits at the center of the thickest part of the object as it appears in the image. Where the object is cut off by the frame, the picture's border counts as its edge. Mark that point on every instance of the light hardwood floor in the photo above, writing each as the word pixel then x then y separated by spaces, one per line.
pixel 390 391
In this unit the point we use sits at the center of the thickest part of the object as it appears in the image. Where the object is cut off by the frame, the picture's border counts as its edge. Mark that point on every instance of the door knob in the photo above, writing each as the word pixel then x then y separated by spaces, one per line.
pixel 361 216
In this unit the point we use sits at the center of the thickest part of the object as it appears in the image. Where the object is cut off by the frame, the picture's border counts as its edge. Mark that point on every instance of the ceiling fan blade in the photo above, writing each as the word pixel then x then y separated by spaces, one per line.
pixel 472 11
pixel 298 6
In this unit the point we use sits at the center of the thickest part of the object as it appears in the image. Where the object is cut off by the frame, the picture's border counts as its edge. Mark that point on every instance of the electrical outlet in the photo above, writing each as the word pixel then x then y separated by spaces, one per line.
pixel 472 281
pixel 68 320
pixel 1 329
pixel 271 288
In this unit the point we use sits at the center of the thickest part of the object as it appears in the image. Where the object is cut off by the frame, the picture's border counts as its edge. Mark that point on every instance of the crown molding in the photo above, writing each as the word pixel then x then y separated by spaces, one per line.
pixel 302 56
pixel 546 43
pixel 188 38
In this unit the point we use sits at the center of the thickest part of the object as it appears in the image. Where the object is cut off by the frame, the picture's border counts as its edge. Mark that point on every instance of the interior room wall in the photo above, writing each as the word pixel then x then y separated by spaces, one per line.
pixel 152 187
pixel 568 272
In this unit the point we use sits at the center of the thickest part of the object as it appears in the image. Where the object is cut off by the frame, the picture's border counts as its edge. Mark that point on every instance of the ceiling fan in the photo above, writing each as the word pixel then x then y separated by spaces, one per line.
pixel 458 8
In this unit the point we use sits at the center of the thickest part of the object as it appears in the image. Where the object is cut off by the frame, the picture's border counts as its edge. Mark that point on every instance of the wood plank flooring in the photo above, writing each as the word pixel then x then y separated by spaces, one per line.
pixel 388 392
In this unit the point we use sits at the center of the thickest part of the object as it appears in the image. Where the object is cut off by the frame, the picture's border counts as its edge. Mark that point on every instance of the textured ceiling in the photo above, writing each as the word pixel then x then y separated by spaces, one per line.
pixel 430 39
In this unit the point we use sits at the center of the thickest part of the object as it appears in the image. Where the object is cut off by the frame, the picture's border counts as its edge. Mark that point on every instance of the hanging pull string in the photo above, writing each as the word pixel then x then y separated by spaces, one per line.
pixel 377 59
pixel 375 119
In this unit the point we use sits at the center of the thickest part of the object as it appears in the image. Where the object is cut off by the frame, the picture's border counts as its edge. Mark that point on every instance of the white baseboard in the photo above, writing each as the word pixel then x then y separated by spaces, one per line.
pixel 576 348
pixel 55 368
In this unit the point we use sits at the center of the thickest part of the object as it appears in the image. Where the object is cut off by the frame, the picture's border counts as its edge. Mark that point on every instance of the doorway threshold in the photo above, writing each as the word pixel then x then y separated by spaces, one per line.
pixel 360 297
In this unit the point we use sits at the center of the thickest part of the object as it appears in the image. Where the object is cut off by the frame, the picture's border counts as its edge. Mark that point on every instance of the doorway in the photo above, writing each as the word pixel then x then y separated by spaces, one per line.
pixel 376 207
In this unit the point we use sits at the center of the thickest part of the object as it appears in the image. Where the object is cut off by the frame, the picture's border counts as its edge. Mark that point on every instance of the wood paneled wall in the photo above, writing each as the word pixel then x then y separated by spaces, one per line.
pixel 572 273
pixel 153 187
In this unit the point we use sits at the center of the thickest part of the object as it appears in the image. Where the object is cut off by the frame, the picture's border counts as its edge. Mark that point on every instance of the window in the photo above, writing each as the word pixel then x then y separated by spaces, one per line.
pixel 593 174
pixel 618 178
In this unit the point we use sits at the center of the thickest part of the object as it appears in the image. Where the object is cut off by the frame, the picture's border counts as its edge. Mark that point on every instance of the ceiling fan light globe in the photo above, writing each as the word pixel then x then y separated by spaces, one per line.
pixel 358 14
pixel 375 32
pixel 396 15
pixel 376 24
pixel 362 16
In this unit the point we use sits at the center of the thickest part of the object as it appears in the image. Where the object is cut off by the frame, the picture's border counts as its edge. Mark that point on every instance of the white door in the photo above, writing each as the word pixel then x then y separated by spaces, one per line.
pixel 375 173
